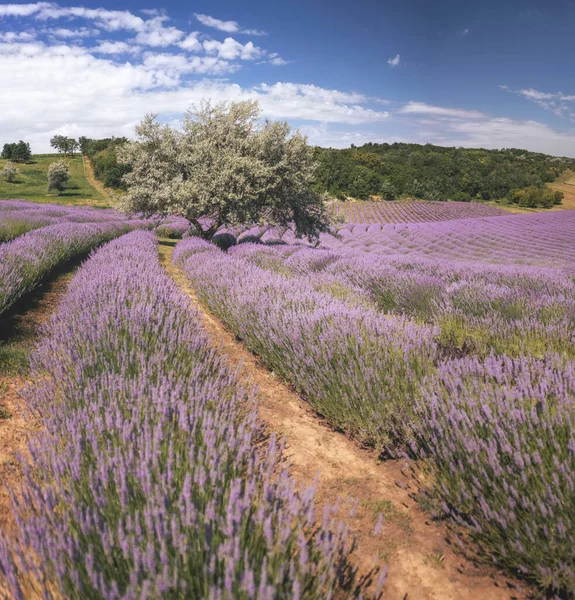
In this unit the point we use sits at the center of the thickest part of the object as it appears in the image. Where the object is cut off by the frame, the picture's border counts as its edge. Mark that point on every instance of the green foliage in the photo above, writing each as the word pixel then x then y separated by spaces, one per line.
pixel 104 160
pixel 535 197
pixel 58 176
pixel 225 168
pixel 64 145
pixel 18 152
pixel 432 172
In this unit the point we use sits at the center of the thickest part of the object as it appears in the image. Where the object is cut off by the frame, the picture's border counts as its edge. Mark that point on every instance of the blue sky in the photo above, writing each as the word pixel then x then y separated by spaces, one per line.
pixel 490 74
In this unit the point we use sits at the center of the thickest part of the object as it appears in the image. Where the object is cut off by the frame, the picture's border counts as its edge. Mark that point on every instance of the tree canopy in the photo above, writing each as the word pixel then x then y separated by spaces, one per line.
pixel 433 172
pixel 65 145
pixel 17 152
pixel 225 167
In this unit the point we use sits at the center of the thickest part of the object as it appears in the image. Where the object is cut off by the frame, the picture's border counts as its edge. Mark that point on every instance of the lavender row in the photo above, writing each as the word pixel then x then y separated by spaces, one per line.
pixel 412 211
pixel 332 350
pixel 501 438
pixel 478 308
pixel 541 239
pixel 26 260
pixel 497 433
pixel 152 478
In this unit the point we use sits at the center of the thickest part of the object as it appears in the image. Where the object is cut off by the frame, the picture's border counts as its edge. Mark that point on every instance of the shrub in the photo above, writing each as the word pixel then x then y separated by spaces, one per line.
pixel 536 196
pixel 58 176
pixel 10 172
pixel 501 437
pixel 224 241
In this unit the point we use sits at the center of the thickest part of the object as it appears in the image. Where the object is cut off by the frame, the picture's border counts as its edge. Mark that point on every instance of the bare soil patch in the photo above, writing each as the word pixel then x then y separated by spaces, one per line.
pixel 422 562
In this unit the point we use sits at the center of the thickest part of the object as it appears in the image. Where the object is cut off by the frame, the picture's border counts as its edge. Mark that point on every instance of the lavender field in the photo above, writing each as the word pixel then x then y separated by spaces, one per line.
pixel 450 344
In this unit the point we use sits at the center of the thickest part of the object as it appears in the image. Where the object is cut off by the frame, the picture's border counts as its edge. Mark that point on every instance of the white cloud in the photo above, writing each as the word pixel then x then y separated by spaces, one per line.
pixel 22 10
pixel 51 88
pixel 552 101
pixel 277 61
pixel 256 32
pixel 191 43
pixel 82 32
pixel 465 32
pixel 230 49
pixel 11 37
pixel 395 61
pixel 157 35
pixel 420 108
pixel 227 26
pixel 109 47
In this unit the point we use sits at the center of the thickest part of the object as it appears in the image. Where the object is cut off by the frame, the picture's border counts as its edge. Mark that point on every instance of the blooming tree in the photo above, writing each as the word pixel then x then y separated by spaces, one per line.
pixel 9 172
pixel 225 167
pixel 58 176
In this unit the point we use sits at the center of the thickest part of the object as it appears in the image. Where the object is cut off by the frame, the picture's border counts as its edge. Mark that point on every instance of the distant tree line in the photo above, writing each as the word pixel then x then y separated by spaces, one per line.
pixel 17 152
pixel 104 160
pixel 430 172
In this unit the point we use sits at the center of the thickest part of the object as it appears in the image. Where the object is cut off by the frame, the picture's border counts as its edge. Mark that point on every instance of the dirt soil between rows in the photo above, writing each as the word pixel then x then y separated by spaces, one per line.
pixel 422 563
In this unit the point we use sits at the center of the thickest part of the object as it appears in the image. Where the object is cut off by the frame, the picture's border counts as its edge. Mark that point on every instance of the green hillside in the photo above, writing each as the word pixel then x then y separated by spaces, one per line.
pixel 429 172
pixel 32 183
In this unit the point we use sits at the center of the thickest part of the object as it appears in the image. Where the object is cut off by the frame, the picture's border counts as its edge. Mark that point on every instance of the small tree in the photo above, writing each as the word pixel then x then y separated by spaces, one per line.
pixel 225 168
pixel 9 172
pixel 58 176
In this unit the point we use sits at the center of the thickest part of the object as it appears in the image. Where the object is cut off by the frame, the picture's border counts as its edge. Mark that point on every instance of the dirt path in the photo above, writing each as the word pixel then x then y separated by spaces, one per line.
pixel 19 330
pixel 91 179
pixel 422 565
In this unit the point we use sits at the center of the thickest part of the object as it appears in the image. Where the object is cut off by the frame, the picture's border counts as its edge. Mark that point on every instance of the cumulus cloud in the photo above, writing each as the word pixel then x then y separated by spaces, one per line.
pixel 191 43
pixel 395 61
pixel 96 95
pixel 115 47
pixel 230 49
pixel 11 37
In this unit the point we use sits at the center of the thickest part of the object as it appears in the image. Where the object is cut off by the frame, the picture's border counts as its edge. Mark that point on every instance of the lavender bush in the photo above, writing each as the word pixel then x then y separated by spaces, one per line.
pixel 25 261
pixel 512 310
pixel 334 353
pixel 500 434
pixel 152 478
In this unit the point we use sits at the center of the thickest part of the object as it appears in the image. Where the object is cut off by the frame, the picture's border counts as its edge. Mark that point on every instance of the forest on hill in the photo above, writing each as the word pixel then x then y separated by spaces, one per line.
pixel 430 172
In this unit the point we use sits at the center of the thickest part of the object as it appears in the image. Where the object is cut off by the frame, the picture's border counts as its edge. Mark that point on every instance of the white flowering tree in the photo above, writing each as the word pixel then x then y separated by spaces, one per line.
pixel 9 172
pixel 58 176
pixel 224 167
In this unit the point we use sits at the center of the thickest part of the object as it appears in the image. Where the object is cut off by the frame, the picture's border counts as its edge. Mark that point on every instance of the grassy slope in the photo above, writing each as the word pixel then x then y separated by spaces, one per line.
pixel 33 180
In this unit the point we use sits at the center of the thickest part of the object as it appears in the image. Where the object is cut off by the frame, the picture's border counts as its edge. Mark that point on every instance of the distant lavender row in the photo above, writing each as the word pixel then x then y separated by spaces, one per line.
pixel 478 308
pixel 26 260
pixel 542 239
pixel 56 213
pixel 332 350
pixel 412 211
pixel 151 479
